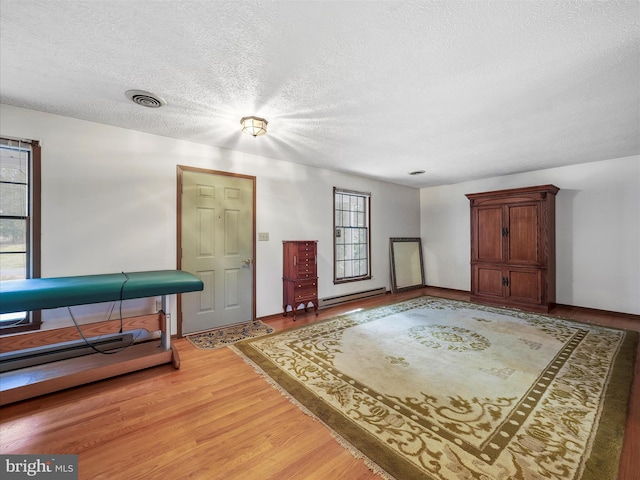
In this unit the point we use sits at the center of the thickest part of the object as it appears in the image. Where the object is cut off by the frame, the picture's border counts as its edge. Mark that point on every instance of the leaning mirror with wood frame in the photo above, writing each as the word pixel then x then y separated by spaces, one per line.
pixel 407 270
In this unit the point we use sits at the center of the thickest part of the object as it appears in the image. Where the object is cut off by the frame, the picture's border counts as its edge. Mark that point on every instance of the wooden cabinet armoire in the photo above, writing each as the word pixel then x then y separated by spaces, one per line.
pixel 300 275
pixel 513 247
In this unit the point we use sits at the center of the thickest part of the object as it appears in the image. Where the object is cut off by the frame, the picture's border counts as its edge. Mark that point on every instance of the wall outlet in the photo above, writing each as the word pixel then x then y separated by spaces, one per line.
pixel 263 236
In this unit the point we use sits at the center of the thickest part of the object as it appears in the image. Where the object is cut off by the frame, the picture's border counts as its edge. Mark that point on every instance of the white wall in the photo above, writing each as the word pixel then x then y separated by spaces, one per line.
pixel 109 205
pixel 597 231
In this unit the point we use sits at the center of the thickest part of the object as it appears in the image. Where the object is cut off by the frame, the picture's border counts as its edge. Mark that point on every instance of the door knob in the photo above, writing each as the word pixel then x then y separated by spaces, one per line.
pixel 247 261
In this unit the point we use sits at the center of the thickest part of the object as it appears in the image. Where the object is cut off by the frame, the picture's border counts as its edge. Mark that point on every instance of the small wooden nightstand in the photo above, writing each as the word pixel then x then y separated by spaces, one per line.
pixel 300 275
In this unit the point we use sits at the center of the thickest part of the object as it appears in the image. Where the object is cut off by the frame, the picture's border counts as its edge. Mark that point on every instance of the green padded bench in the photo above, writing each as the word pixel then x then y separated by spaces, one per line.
pixel 44 293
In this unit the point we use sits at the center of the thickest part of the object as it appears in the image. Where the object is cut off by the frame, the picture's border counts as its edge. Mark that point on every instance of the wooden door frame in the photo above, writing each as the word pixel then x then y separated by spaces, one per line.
pixel 179 176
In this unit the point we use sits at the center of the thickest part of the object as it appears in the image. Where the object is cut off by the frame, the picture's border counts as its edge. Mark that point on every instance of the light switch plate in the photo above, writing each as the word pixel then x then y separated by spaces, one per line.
pixel 263 236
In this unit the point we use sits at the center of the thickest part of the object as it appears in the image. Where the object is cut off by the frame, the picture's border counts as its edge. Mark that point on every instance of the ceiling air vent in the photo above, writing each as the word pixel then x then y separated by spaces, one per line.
pixel 146 99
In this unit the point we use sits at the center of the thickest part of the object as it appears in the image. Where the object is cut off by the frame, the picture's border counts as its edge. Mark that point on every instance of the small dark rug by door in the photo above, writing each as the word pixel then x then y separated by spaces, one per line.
pixel 222 337
pixel 445 390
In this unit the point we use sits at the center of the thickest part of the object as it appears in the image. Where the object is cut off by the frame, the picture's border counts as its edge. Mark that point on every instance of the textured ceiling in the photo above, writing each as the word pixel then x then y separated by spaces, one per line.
pixel 460 89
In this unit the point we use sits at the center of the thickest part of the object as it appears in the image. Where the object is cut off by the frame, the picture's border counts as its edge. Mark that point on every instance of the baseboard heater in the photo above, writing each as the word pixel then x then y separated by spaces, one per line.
pixel 30 357
pixel 329 301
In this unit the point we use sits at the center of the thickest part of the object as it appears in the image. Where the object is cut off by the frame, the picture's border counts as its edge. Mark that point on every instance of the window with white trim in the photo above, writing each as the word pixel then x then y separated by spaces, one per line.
pixel 351 229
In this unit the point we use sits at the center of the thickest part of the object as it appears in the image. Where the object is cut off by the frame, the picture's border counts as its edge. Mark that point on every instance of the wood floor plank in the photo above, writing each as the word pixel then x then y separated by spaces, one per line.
pixel 215 418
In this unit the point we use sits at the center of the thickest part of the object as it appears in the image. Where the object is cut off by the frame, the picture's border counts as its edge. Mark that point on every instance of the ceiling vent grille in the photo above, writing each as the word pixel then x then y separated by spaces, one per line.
pixel 145 99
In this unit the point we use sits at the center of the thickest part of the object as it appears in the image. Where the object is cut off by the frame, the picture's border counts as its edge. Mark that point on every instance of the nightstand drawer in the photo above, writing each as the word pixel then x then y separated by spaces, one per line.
pixel 310 284
pixel 307 271
pixel 306 247
pixel 309 258
pixel 305 296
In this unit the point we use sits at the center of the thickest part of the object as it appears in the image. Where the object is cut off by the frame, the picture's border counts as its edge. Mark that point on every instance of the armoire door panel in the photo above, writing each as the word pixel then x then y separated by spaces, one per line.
pixel 488 281
pixel 523 234
pixel 524 286
pixel 489 247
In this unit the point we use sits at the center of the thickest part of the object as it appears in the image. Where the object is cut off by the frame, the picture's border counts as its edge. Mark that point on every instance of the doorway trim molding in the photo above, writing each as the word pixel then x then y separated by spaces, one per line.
pixel 180 170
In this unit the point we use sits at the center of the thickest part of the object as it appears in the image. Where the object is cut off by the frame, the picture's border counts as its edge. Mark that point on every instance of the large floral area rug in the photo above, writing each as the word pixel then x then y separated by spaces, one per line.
pixel 439 389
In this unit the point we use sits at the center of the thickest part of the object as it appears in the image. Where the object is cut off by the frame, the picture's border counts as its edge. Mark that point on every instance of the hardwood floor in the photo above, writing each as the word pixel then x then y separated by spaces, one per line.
pixel 215 418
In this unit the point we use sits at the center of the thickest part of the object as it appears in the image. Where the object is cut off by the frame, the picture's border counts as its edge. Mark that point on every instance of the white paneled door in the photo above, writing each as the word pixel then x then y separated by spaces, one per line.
pixel 217 245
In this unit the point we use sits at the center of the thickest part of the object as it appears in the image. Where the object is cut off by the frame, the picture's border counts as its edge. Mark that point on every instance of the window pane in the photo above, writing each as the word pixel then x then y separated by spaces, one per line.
pixel 355 268
pixel 13 234
pixel 13 200
pixel 345 218
pixel 10 319
pixel 13 165
pixel 364 267
pixel 348 270
pixel 14 266
pixel 348 236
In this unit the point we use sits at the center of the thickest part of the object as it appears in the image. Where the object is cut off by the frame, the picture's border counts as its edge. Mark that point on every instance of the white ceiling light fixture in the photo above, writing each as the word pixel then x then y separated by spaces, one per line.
pixel 254 126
